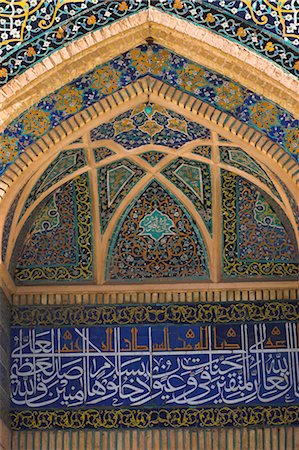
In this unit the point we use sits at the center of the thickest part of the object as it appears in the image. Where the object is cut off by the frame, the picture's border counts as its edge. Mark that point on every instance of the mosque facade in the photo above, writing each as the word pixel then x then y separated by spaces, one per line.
pixel 149 225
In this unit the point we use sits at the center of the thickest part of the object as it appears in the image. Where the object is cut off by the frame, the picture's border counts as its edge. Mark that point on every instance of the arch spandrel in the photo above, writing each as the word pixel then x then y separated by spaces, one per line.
pixel 257 239
pixel 56 244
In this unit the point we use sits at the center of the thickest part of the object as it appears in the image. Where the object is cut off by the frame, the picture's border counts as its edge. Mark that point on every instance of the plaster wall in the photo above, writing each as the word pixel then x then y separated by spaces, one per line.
pixel 4 371
pixel 282 438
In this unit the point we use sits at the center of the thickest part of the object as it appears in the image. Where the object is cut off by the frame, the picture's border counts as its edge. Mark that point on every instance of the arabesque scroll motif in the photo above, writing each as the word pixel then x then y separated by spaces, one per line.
pixel 138 418
pixel 14 16
pixel 218 91
pixel 157 238
pixel 59 245
pixel 239 312
pixel 286 12
pixel 31 30
pixel 249 247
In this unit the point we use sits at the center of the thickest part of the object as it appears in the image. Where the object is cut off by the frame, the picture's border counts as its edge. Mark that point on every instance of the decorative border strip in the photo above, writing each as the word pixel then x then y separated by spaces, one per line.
pixel 142 418
pixel 112 295
pixel 60 316
pixel 222 22
pixel 147 85
pixel 99 16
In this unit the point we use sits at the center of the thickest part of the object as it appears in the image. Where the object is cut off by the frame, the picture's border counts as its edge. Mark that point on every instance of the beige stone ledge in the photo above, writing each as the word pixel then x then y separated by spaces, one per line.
pixel 155 293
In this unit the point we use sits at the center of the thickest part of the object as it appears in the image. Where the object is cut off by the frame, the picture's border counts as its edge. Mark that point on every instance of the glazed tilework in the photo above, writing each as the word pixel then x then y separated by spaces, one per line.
pixel 194 180
pixel 30 32
pixel 143 418
pixel 210 87
pixel 203 150
pixel 65 164
pixel 8 223
pixel 153 157
pixel 58 245
pixel 255 240
pixel 292 202
pixel 269 28
pixel 102 153
pixel 108 352
pixel 156 239
pixel 154 366
pixel 238 158
pixel 114 182
pixel 138 127
pixel 153 313
pixel 290 197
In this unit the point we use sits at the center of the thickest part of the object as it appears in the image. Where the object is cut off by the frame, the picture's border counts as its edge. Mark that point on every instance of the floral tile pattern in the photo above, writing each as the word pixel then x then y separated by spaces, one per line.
pixel 194 180
pixel 150 125
pixel 101 153
pixel 203 150
pixel 237 157
pixel 156 239
pixel 31 31
pixel 153 157
pixel 58 245
pixel 8 223
pixel 65 164
pixel 115 180
pixel 256 241
pixel 220 92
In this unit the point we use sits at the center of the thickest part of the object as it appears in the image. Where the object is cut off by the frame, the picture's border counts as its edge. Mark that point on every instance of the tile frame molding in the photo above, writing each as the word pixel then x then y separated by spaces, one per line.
pixel 194 42
pixel 126 98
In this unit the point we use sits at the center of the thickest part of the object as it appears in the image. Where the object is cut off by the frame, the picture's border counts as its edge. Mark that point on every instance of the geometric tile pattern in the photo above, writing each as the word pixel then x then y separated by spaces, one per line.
pixel 102 153
pixel 237 157
pixel 194 180
pixel 256 241
pixel 203 150
pixel 152 157
pixel 156 239
pixel 115 180
pixel 267 28
pixel 58 245
pixel 65 164
pixel 150 124
pixel 183 74
pixel 8 223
